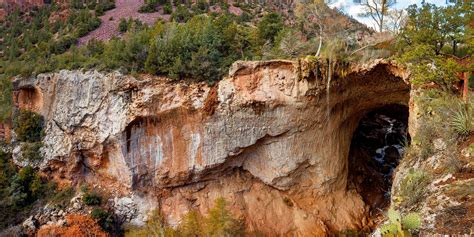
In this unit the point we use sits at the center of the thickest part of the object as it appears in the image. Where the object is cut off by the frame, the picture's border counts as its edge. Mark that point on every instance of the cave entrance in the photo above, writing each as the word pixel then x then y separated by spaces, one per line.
pixel 377 145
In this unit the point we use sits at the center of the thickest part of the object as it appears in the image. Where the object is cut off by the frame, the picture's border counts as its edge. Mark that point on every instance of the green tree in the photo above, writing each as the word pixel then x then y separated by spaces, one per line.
pixel 28 126
pixel 269 26
pixel 123 25
pixel 220 222
pixel 431 33
pixel 191 225
pixel 5 98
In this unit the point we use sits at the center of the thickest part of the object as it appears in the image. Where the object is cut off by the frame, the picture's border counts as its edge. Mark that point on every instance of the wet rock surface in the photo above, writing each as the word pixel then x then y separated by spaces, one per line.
pixel 377 146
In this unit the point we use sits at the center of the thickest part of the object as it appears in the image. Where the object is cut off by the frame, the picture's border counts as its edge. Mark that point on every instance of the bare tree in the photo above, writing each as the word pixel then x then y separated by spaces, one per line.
pixel 313 14
pixel 396 20
pixel 377 10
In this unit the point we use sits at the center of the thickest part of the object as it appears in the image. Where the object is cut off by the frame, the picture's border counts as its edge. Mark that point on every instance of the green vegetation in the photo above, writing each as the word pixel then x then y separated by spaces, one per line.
pixel 62 198
pixel 31 151
pixel 91 198
pixel 462 119
pixel 413 187
pixel 126 25
pixel 431 41
pixel 32 40
pixel 219 222
pixel 400 226
pixel 269 27
pixel 6 100
pixel 104 218
pixel 19 190
pixel 440 107
pixel 28 126
pixel 152 5
pixel 193 46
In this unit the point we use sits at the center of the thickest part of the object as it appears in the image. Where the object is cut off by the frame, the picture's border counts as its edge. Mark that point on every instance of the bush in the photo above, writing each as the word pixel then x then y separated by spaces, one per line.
pixel 269 26
pixel 181 14
pixel 25 187
pixel 91 198
pixel 440 107
pixel 63 44
pixel 63 197
pixel 123 25
pixel 400 225
pixel 5 98
pixel 167 9
pixel 31 151
pixel 147 8
pixel 202 48
pixel 104 219
pixel 462 119
pixel 219 222
pixel 413 187
pixel 155 226
pixel 28 126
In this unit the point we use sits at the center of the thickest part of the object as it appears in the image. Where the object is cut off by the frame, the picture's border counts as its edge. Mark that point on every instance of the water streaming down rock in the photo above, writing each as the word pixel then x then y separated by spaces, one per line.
pixel 395 139
pixel 377 146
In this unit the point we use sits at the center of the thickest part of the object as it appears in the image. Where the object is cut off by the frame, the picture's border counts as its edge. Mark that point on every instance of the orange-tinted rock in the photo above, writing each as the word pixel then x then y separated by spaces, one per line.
pixel 271 138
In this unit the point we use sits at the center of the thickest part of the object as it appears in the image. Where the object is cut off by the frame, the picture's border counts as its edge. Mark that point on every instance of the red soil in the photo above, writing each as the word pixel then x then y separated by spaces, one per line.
pixel 123 9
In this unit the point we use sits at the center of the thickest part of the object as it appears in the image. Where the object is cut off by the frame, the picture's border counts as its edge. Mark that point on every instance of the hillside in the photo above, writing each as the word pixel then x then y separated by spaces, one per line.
pixel 234 118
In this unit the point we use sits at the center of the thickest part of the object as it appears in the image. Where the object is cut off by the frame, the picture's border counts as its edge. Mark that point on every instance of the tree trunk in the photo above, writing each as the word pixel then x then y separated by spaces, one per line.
pixel 320 44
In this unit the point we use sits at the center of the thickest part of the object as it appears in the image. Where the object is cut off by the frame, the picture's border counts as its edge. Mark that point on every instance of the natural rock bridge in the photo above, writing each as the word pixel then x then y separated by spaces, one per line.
pixel 272 138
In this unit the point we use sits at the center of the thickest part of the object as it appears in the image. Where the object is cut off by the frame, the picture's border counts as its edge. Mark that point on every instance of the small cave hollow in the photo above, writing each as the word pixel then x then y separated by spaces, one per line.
pixel 30 99
pixel 377 145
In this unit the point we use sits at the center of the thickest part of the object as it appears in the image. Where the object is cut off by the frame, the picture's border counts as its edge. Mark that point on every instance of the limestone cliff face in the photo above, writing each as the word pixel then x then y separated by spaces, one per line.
pixel 272 138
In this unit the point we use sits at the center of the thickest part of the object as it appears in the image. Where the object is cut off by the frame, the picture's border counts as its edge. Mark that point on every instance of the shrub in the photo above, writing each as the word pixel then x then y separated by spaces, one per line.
pixel 18 190
pixel 31 151
pixel 192 224
pixel 400 225
pixel 123 25
pixel 63 44
pixel 63 197
pixel 413 187
pixel 462 119
pixel 28 126
pixel 167 9
pixel 181 14
pixel 269 26
pixel 219 222
pixel 198 49
pixel 5 98
pixel 25 187
pixel 147 8
pixel 91 198
pixel 155 226
pixel 103 218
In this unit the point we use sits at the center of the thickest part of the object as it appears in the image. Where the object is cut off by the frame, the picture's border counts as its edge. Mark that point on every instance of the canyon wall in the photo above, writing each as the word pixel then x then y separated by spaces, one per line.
pixel 272 138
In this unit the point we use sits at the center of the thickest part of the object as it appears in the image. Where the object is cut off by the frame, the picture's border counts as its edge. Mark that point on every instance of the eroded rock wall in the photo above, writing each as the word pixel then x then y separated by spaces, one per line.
pixel 272 138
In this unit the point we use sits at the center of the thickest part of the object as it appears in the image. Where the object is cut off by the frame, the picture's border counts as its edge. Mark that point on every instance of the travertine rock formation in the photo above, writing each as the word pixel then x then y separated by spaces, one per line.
pixel 272 138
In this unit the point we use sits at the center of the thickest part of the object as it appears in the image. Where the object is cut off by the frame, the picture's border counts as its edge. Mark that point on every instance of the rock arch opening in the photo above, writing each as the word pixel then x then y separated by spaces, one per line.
pixel 377 145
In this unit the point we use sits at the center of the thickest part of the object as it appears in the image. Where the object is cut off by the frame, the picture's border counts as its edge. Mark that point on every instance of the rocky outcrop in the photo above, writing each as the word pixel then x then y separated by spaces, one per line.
pixel 272 138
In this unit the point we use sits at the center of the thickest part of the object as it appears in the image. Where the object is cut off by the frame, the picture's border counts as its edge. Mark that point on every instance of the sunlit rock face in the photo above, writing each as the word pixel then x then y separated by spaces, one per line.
pixel 272 138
